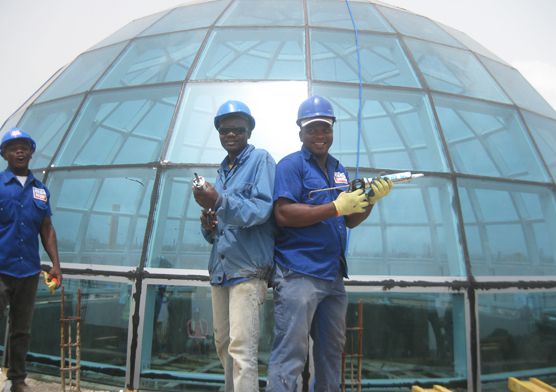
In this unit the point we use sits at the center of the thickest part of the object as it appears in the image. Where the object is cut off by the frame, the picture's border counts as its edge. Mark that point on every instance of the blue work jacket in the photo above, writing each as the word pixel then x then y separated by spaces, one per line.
pixel 22 210
pixel 317 250
pixel 243 242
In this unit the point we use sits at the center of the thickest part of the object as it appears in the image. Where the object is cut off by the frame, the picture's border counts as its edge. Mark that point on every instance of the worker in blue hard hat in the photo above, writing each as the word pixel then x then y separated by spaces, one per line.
pixel 236 220
pixel 309 295
pixel 24 217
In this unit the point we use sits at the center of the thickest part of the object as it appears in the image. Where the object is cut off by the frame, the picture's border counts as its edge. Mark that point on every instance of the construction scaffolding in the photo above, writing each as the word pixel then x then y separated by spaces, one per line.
pixel 352 357
pixel 70 346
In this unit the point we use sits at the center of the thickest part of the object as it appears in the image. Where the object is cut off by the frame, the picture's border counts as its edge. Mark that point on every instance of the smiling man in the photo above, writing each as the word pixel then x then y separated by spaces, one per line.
pixel 309 294
pixel 24 216
pixel 236 219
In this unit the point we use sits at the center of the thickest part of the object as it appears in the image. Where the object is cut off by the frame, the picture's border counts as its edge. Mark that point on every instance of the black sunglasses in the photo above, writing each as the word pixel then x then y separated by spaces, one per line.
pixel 235 130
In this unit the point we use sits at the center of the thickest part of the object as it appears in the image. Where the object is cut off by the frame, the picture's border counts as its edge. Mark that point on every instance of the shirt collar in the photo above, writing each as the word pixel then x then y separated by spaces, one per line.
pixel 243 155
pixel 7 176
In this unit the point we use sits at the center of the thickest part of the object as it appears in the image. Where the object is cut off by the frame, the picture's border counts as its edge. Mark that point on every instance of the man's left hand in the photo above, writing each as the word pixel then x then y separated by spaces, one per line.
pixel 206 196
pixel 381 187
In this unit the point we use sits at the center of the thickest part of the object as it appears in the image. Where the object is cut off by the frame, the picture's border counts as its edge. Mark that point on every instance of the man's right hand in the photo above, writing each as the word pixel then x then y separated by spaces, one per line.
pixel 208 219
pixel 206 196
pixel 348 203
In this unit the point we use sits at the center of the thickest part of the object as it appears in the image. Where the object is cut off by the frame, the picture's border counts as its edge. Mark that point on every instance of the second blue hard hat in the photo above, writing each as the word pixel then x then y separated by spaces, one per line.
pixel 15 134
pixel 315 107
pixel 232 107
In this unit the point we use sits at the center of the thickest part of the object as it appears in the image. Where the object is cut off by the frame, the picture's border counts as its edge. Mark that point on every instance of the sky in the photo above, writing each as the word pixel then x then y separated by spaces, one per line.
pixel 38 37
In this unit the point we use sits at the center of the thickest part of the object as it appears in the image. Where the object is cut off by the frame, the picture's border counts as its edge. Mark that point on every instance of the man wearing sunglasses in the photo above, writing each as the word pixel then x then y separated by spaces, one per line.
pixel 309 295
pixel 236 220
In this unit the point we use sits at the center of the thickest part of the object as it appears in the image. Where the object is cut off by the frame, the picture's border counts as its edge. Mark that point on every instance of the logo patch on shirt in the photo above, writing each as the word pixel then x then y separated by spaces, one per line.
pixel 340 178
pixel 39 194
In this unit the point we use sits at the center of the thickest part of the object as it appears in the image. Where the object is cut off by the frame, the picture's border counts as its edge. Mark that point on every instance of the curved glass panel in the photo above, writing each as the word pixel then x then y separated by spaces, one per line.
pixel 190 17
pixel 455 71
pixel 407 337
pixel 493 135
pixel 334 57
pixel 120 127
pixel 544 133
pixel 332 13
pixel 510 229
pixel 398 129
pixel 417 26
pixel 82 74
pixel 105 309
pixel 264 53
pixel 273 104
pixel 413 232
pixel 518 88
pixel 263 12
pixel 159 59
pixel 100 215
pixel 130 30
pixel 517 332
pixel 47 124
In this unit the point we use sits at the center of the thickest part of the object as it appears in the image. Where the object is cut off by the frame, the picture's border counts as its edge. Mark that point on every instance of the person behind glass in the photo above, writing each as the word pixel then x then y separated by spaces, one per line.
pixel 236 219
pixel 309 294
pixel 24 216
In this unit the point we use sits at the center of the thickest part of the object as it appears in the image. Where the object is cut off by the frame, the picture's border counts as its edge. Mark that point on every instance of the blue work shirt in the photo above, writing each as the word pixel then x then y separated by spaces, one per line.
pixel 22 210
pixel 243 242
pixel 317 250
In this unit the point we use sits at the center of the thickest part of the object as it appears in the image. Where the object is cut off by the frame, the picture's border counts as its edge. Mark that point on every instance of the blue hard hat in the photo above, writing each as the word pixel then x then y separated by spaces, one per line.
pixel 313 107
pixel 229 108
pixel 14 134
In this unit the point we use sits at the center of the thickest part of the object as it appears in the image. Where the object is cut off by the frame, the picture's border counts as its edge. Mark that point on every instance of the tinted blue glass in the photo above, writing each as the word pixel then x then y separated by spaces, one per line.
pixel 517 332
pixel 411 232
pixel 273 104
pixel 131 30
pixel 188 17
pixel 100 215
pixel 455 71
pixel 334 57
pixel 47 123
pixel 263 12
pixel 332 13
pixel 82 74
pixel 398 130
pixel 494 136
pixel 265 53
pixel 544 133
pixel 417 26
pixel 518 88
pixel 510 229
pixel 405 333
pixel 469 43
pixel 159 59
pixel 103 326
pixel 120 127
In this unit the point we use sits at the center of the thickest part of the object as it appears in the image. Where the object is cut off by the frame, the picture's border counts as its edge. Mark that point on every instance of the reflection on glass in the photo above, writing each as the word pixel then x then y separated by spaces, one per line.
pixel 408 336
pixel 517 332
pixel 334 57
pixel 47 123
pixel 257 53
pixel 120 127
pixel 493 136
pixel 412 232
pixel 274 106
pixel 510 230
pixel 544 133
pixel 105 310
pixel 82 74
pixel 178 339
pixel 398 130
pixel 263 12
pixel 159 59
pixel 100 215
pixel 331 13
pixel 455 71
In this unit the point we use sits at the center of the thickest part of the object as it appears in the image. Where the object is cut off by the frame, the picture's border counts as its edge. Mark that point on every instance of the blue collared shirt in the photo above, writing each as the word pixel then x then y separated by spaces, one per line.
pixel 22 210
pixel 243 242
pixel 317 250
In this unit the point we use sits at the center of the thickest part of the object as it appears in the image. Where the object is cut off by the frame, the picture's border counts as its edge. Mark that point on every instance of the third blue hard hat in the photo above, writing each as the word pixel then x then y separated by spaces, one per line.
pixel 315 107
pixel 14 134
pixel 230 108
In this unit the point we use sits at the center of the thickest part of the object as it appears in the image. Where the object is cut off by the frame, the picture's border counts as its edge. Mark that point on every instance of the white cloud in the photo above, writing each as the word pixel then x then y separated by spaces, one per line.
pixel 541 75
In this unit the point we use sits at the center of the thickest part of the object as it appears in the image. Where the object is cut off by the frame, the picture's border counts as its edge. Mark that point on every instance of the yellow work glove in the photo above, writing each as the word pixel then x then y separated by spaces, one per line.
pixel 51 283
pixel 348 203
pixel 380 188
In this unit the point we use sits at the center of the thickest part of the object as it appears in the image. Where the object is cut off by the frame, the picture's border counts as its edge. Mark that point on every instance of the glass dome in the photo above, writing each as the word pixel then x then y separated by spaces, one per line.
pixel 455 272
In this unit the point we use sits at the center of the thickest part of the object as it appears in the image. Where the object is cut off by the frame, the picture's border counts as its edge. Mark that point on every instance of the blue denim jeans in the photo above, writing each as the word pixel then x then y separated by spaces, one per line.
pixel 305 306
pixel 235 312
pixel 20 294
